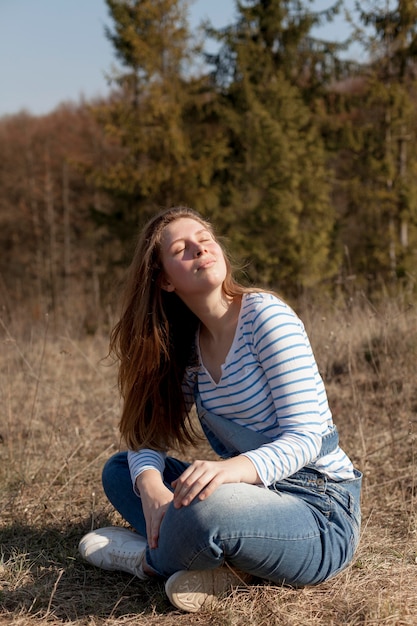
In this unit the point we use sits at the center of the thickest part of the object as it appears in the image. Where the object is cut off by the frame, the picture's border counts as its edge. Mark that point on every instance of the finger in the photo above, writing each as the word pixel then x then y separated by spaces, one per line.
pixel 154 533
pixel 210 488
pixel 212 482
pixel 185 484
pixel 185 494
pixel 156 526
pixel 149 535
pixel 192 481
pixel 152 530
pixel 184 476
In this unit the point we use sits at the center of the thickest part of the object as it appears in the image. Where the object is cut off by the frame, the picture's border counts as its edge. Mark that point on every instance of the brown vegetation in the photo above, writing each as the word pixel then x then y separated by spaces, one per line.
pixel 59 414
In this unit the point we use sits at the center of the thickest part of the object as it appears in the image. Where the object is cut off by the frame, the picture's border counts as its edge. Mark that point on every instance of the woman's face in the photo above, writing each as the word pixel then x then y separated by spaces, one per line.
pixel 192 260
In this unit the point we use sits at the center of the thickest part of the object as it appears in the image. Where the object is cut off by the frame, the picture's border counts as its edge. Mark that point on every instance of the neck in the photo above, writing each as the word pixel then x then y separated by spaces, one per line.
pixel 217 313
pixel 218 322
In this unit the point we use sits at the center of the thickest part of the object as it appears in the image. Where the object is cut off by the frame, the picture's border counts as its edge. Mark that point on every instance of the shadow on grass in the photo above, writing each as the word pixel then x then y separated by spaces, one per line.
pixel 42 573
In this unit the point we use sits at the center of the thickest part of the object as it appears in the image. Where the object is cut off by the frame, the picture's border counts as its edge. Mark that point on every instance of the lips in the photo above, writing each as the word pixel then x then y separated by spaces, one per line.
pixel 206 264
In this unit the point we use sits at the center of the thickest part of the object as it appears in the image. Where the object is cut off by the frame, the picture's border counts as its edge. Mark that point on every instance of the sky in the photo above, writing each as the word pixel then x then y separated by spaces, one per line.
pixel 55 51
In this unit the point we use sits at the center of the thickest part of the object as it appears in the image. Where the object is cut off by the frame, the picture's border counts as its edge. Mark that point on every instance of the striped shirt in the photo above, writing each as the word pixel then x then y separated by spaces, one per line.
pixel 270 383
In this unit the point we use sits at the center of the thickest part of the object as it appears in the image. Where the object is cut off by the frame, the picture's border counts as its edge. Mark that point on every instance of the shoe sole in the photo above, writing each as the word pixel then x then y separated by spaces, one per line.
pixel 191 590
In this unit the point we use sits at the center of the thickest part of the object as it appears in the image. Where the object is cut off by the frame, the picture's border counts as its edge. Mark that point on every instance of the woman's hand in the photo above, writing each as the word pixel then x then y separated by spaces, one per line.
pixel 202 478
pixel 156 498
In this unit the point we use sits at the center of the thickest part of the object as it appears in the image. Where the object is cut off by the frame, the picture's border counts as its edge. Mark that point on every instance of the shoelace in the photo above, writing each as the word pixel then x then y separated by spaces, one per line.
pixel 120 557
pixel 132 562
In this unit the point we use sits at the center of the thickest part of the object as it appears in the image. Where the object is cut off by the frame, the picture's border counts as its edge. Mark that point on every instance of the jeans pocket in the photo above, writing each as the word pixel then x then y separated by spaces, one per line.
pixel 313 492
pixel 346 495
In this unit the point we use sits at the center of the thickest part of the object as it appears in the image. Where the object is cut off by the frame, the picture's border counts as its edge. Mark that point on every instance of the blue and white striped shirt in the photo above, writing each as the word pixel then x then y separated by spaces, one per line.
pixel 270 383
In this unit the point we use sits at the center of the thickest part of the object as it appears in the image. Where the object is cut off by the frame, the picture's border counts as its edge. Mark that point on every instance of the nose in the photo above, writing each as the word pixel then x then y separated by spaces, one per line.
pixel 198 250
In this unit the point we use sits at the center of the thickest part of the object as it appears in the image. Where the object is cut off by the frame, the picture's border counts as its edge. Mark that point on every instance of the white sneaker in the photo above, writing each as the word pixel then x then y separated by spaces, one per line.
pixel 189 590
pixel 114 548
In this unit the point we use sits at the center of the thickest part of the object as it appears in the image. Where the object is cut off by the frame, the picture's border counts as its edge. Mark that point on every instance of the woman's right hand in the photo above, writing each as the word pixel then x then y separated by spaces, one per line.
pixel 156 498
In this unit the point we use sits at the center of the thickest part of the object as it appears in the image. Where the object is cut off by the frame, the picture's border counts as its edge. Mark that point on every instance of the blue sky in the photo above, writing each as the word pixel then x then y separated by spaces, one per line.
pixel 53 51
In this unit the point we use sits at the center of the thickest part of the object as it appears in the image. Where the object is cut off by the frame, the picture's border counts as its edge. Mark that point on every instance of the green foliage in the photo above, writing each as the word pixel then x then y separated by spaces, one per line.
pixel 166 146
pixel 306 161
pixel 373 132
pixel 275 192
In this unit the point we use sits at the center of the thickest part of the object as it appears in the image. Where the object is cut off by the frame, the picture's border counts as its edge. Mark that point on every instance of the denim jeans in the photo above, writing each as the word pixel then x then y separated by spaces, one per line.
pixel 299 531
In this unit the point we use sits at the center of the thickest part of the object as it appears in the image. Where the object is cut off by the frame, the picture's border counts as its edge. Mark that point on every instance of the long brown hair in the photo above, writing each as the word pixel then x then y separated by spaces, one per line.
pixel 154 342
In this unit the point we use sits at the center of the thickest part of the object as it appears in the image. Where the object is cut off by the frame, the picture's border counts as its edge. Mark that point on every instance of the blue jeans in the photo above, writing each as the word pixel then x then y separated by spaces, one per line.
pixel 300 531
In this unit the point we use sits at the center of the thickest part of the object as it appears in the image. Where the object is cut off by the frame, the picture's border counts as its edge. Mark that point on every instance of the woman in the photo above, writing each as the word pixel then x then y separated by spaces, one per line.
pixel 282 501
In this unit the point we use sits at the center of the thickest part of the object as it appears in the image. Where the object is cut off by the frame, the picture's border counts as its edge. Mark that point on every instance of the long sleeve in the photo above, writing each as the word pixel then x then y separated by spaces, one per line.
pixel 270 383
pixel 143 460
pixel 284 353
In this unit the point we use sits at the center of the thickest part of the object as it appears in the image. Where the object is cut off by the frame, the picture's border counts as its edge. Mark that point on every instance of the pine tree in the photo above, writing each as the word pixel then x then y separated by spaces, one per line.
pixel 394 48
pixel 277 213
pixel 163 154
pixel 378 161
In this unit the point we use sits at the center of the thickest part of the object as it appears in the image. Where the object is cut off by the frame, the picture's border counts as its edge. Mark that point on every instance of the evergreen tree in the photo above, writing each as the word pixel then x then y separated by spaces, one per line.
pixel 275 191
pixel 379 159
pixel 163 152
pixel 394 54
pixel 284 28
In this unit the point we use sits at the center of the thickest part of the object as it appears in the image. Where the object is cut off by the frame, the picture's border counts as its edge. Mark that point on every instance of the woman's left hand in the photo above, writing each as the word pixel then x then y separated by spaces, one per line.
pixel 202 478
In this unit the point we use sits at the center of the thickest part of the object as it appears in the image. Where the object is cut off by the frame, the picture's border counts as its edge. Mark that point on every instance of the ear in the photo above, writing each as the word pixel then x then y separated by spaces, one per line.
pixel 166 285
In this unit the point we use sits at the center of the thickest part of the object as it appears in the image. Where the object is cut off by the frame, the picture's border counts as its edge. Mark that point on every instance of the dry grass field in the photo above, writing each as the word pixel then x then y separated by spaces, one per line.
pixel 59 410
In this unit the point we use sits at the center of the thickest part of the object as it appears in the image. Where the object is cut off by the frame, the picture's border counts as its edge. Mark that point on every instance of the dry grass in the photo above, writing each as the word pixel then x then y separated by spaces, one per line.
pixel 59 413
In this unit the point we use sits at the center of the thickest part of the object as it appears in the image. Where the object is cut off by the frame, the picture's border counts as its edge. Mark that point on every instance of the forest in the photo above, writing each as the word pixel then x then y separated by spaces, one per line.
pixel 305 160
